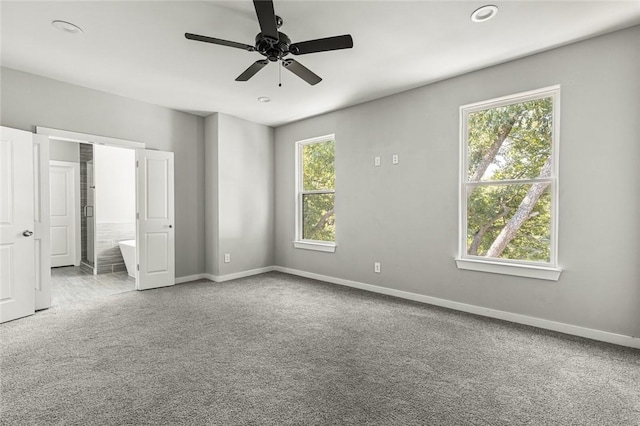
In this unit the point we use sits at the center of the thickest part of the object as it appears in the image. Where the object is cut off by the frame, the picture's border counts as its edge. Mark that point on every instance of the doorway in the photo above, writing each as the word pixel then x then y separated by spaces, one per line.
pixel 93 211
pixel 93 220
pixel 25 200
pixel 154 246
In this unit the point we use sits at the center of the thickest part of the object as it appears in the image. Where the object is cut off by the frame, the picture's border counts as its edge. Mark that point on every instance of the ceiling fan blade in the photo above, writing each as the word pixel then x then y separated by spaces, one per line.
pixel 267 19
pixel 301 71
pixel 322 45
pixel 221 42
pixel 252 70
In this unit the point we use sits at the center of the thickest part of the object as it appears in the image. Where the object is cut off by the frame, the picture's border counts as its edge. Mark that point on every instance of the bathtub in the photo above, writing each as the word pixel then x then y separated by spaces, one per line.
pixel 128 249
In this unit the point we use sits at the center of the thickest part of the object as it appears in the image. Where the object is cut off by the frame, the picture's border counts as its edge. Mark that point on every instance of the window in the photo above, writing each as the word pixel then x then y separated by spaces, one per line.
pixel 315 200
pixel 508 193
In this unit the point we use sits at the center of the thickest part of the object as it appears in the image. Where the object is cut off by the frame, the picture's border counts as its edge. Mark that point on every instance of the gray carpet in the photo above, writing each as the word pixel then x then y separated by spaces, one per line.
pixel 276 349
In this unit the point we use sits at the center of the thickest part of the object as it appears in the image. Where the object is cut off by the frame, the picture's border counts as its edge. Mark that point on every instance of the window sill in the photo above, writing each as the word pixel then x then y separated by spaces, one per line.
pixel 527 271
pixel 314 245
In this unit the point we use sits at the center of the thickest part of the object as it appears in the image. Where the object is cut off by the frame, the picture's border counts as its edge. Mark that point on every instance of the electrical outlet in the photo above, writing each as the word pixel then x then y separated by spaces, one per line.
pixel 376 161
pixel 376 267
pixel 395 159
pixel 227 258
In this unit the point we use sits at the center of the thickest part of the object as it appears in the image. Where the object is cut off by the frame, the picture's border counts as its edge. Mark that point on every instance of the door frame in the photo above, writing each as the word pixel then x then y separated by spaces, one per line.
pixel 77 240
pixel 68 136
pixel 42 215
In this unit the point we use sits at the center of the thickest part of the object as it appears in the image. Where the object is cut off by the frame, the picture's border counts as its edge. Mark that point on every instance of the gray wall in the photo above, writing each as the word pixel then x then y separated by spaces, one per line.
pixel 212 265
pixel 406 216
pixel 239 194
pixel 29 100
pixel 64 151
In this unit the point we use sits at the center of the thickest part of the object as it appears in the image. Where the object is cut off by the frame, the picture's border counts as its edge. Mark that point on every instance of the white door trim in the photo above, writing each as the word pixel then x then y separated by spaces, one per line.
pixel 69 136
pixel 42 233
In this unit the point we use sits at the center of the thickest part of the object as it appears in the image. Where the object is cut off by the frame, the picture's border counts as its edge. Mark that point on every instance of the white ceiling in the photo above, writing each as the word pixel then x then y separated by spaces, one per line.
pixel 137 49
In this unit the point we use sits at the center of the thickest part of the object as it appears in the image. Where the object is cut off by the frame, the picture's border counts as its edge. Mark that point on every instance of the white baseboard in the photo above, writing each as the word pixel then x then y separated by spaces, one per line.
pixel 189 278
pixel 604 336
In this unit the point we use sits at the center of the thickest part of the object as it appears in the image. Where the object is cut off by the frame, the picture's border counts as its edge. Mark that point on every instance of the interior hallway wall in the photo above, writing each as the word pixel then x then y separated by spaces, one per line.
pixel 212 250
pixel 406 216
pixel 29 100
pixel 239 194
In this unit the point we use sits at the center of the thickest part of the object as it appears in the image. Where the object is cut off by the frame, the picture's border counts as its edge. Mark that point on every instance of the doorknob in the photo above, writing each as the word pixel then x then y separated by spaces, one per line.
pixel 27 233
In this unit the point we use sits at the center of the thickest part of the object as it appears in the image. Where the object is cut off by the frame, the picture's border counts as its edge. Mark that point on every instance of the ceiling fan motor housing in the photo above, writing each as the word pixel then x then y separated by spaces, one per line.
pixel 273 51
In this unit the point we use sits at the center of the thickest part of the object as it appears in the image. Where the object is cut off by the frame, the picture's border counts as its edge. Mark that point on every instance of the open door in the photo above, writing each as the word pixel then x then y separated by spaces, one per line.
pixel 155 253
pixel 41 221
pixel 17 247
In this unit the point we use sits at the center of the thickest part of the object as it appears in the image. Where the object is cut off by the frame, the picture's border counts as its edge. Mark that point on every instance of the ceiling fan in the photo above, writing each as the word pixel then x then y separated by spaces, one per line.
pixel 274 45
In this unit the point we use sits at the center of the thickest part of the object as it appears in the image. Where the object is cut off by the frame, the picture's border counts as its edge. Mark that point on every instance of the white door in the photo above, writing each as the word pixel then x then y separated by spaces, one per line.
pixel 155 253
pixel 42 234
pixel 17 265
pixel 63 179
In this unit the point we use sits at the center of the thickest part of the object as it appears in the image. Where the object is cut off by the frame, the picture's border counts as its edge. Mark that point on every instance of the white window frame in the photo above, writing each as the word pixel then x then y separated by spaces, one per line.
pixel 299 242
pixel 540 270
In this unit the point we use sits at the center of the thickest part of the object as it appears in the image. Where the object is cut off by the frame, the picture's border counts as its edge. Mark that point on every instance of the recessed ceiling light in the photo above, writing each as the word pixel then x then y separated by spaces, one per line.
pixel 484 13
pixel 67 27
pixel 264 99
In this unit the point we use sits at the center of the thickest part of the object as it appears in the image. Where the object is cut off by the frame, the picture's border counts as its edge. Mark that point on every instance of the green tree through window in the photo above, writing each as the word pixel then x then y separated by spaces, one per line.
pixel 509 177
pixel 317 194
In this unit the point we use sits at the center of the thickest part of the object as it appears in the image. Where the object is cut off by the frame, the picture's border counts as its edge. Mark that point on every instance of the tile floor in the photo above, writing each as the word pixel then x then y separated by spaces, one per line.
pixel 70 284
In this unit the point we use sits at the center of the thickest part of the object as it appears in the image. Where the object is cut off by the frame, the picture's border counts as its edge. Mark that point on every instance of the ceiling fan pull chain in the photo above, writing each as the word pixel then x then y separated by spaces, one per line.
pixel 280 75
